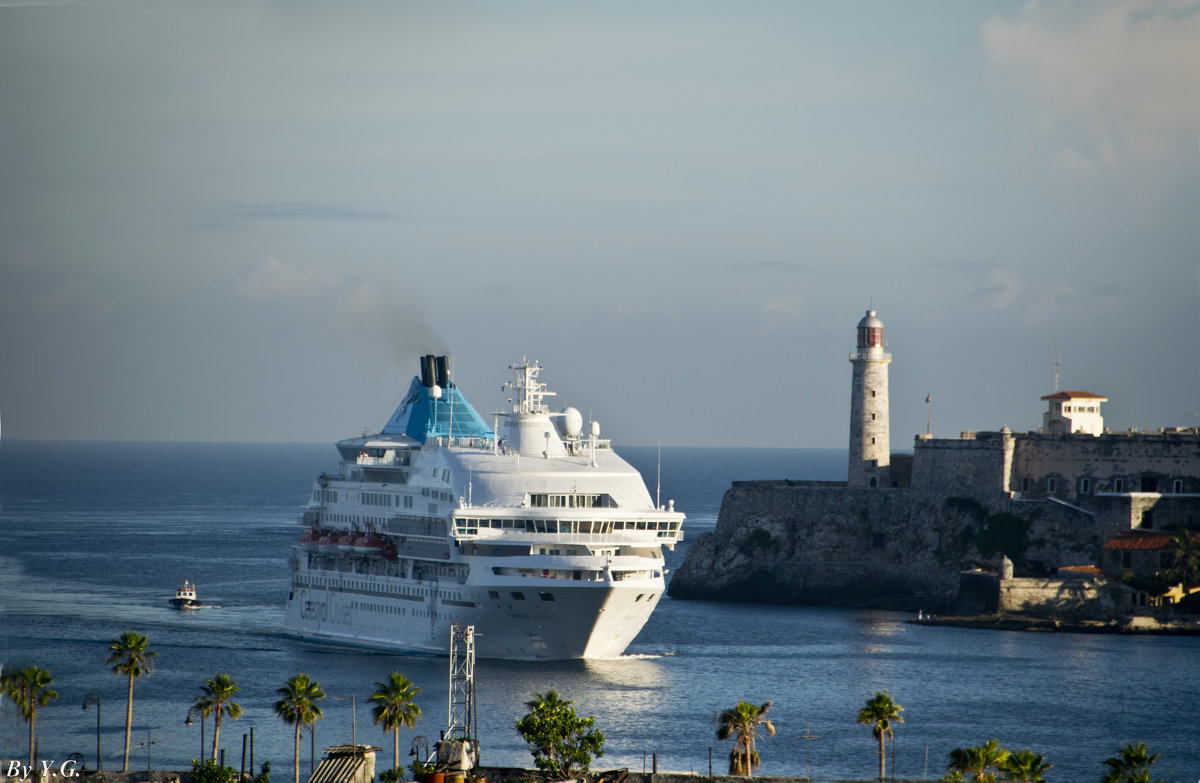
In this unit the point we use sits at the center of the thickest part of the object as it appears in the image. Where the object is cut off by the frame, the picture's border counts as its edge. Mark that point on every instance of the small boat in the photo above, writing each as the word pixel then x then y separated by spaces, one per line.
pixel 185 597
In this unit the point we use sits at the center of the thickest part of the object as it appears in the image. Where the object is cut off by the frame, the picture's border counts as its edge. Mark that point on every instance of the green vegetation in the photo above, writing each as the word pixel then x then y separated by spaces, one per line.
pixel 299 706
pixel 211 772
pixel 989 762
pixel 879 713
pixel 216 697
pixel 28 688
pixel 562 744
pixel 1003 533
pixel 1185 558
pixel 394 707
pixel 1131 765
pixel 1026 767
pixel 980 763
pixel 742 722
pixel 130 656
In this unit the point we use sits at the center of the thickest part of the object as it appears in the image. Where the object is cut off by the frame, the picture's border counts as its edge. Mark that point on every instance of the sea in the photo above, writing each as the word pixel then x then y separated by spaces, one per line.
pixel 95 537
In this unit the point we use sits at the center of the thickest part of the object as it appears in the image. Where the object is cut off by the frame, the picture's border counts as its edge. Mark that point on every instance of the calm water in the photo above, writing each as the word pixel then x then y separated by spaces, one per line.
pixel 95 537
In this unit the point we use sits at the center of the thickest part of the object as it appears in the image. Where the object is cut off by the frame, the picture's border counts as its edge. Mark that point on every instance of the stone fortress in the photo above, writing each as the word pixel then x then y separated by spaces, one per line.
pixel 1042 521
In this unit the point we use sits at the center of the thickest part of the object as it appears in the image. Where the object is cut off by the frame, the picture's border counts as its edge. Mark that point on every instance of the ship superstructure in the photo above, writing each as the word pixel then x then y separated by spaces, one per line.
pixel 538 535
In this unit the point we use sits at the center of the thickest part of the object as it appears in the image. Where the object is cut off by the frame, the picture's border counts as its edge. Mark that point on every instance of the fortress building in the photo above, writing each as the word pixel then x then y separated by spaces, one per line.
pixel 1073 411
pixel 870 445
pixel 901 528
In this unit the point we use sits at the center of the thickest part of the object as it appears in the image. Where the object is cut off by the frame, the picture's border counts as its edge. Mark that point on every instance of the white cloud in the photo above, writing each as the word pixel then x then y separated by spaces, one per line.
pixel 277 278
pixel 1111 83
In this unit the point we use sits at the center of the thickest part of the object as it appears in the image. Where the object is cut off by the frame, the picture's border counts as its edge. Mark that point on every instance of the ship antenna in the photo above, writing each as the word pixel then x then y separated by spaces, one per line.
pixel 658 488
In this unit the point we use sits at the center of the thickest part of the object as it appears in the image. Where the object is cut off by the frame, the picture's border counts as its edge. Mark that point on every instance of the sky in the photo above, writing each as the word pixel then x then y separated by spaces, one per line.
pixel 244 221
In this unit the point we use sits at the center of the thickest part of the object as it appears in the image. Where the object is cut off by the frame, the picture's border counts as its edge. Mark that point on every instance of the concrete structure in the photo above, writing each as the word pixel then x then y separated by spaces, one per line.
pixel 1073 411
pixel 346 764
pixel 870 444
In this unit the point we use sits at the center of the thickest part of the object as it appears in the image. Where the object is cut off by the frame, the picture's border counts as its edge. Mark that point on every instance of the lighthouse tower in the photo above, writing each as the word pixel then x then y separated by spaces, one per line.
pixel 870 449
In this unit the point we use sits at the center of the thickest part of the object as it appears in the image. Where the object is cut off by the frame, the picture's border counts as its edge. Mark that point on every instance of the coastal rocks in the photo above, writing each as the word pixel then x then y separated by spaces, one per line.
pixel 825 543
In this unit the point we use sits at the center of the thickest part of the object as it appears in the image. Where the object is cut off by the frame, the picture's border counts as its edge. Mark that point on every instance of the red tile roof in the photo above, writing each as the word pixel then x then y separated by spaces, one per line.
pixel 1140 539
pixel 1074 395
pixel 1082 569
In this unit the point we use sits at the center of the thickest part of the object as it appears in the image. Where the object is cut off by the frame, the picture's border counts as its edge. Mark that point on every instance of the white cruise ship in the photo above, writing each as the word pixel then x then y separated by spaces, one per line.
pixel 535 533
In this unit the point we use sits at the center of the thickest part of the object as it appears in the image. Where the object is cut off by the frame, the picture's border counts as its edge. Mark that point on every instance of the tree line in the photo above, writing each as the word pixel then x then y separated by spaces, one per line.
pixel 299 703
pixel 986 763
pixel 561 743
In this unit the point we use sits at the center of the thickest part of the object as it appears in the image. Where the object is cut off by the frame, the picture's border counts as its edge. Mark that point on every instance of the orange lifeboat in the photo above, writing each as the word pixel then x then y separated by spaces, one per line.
pixel 368 545
pixel 327 543
pixel 345 543
pixel 309 539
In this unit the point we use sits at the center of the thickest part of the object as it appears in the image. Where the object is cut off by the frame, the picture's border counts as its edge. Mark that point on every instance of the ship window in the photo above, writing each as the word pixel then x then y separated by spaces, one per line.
pixel 1119 485
pixel 518 596
pixel 1051 485
pixel 638 598
pixel 1085 486
pixel 494 594
pixel 1177 486
pixel 546 596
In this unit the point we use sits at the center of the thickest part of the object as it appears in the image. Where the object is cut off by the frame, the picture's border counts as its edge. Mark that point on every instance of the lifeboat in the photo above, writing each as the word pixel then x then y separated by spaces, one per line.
pixel 345 543
pixel 368 545
pixel 327 544
pixel 309 540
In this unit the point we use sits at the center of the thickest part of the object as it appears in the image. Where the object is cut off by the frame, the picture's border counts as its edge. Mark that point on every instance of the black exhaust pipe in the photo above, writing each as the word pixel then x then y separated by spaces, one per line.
pixel 427 370
pixel 443 371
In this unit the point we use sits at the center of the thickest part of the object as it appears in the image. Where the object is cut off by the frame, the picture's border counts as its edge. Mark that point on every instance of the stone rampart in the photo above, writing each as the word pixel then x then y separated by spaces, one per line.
pixel 823 543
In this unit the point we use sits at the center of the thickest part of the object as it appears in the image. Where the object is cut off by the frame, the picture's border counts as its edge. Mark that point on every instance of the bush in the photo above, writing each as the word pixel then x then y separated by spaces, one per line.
pixel 212 772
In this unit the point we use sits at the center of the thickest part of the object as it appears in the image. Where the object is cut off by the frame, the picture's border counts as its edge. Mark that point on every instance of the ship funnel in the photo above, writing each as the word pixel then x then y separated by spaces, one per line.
pixel 428 372
pixel 442 364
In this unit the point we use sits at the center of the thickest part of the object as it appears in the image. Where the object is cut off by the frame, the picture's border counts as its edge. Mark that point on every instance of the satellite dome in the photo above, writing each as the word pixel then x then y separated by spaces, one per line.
pixel 435 392
pixel 572 422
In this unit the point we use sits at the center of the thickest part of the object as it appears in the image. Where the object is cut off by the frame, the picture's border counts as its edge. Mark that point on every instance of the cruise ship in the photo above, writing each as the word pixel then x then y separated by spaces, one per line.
pixel 529 529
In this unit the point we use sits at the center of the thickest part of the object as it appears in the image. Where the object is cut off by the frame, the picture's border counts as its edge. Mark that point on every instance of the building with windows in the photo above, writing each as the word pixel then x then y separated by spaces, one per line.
pixel 1072 412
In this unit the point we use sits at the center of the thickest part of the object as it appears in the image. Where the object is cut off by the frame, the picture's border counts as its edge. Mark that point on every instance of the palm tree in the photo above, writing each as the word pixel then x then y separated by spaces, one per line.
pixel 130 656
pixel 1131 765
pixel 880 711
pixel 742 722
pixel 29 689
pixel 394 707
pixel 299 707
pixel 1185 558
pixel 216 696
pixel 1025 767
pixel 981 762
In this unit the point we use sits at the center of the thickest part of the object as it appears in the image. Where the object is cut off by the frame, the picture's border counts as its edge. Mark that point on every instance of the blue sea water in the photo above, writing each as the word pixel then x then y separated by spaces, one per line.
pixel 94 537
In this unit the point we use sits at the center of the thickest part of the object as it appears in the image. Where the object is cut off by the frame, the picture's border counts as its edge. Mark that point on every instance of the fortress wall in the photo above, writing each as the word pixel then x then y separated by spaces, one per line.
pixel 1162 458
pixel 1061 597
pixel 802 542
pixel 968 467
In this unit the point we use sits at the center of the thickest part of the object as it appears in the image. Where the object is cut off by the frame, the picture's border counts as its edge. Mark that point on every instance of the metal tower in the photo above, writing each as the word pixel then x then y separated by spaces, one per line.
pixel 462 682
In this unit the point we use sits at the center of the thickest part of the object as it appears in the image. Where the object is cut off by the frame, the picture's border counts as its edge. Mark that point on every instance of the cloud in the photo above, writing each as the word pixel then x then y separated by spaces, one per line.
pixel 277 278
pixel 1111 83
pixel 1000 288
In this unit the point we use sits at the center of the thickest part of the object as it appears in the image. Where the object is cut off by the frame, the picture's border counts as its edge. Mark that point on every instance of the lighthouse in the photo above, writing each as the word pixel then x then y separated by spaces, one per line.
pixel 869 444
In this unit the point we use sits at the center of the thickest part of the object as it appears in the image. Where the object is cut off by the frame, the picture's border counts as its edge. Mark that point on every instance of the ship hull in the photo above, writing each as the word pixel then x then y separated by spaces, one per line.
pixel 539 620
